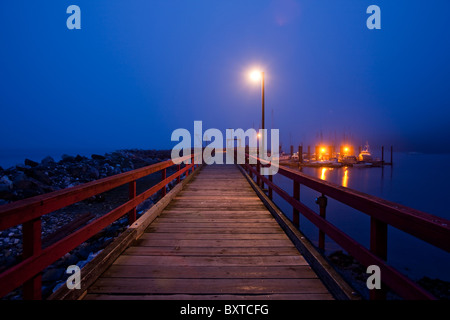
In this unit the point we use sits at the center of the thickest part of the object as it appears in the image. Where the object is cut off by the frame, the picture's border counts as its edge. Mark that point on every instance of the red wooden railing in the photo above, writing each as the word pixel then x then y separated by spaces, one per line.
pixel 28 212
pixel 432 229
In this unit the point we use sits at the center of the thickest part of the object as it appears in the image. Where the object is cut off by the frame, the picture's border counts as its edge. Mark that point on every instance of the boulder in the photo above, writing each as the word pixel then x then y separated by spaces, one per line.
pixel 39 175
pixel 67 260
pixel 93 173
pixel 97 157
pixel 79 158
pixel 77 170
pixel 143 206
pixel 21 167
pixel 4 181
pixel 6 193
pixel 25 184
pixel 47 161
pixel 53 274
pixel 117 170
pixel 66 158
pixel 28 187
pixel 31 163
pixel 18 176
pixel 83 253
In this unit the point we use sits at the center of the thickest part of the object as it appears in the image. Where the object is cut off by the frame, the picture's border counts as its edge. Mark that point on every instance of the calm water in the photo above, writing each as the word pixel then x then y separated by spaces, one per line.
pixel 416 180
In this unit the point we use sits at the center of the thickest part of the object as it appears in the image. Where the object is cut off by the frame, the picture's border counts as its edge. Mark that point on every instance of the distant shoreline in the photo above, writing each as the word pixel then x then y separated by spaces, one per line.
pixel 11 157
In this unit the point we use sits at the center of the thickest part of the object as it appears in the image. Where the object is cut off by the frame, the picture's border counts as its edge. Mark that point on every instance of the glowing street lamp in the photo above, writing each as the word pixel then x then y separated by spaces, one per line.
pixel 255 75
pixel 322 153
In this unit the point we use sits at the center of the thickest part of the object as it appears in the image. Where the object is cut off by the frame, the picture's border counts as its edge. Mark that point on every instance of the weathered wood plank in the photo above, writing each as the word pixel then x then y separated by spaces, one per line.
pixel 214 187
pixel 295 296
pixel 217 261
pixel 208 212
pixel 208 272
pixel 245 192
pixel 213 236
pixel 214 230
pixel 216 243
pixel 223 198
pixel 200 215
pixel 211 219
pixel 217 204
pixel 210 251
pixel 220 225
pixel 206 286
pixel 207 207
pixel 223 205
pixel 220 217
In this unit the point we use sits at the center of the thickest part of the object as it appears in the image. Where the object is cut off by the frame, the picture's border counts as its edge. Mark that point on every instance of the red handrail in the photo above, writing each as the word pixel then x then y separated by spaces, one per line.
pixel 29 212
pixel 432 229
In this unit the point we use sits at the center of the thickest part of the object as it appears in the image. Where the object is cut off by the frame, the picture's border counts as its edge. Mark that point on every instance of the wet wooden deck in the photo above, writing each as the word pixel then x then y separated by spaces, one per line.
pixel 215 240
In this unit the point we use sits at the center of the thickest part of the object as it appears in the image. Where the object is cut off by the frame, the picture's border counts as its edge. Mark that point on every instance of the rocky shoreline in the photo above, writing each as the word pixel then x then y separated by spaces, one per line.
pixel 355 274
pixel 31 179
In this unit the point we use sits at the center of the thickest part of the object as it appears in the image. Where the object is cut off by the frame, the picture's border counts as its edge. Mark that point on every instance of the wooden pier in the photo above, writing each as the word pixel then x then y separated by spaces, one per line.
pixel 215 240
pixel 216 235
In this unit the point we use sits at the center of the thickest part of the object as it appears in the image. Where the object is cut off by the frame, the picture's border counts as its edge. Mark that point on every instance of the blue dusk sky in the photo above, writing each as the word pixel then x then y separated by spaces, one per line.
pixel 139 69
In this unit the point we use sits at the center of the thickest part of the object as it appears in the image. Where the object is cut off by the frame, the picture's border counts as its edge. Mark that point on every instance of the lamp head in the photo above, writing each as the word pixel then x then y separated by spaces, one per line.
pixel 256 75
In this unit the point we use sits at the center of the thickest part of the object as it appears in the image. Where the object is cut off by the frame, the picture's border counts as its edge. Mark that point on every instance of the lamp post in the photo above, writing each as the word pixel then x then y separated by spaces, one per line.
pixel 259 75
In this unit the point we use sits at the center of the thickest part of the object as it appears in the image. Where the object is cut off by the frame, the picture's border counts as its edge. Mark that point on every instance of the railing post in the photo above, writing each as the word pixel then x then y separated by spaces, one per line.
pixel 296 196
pixel 132 195
pixel 378 246
pixel 163 177
pixel 179 177
pixel 270 188
pixel 32 245
pixel 322 202
pixel 262 181
pixel 258 170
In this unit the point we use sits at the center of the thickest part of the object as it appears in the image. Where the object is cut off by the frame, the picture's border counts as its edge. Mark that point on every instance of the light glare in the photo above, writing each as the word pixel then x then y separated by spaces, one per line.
pixel 255 75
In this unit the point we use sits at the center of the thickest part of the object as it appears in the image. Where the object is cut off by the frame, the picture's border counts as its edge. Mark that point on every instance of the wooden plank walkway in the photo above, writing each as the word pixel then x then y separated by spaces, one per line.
pixel 215 240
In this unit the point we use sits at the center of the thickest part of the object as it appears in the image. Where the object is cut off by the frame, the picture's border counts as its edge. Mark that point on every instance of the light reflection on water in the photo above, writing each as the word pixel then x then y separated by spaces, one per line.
pixel 345 178
pixel 414 181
